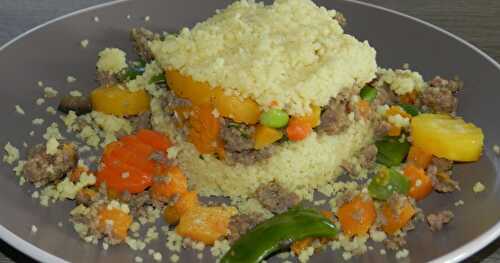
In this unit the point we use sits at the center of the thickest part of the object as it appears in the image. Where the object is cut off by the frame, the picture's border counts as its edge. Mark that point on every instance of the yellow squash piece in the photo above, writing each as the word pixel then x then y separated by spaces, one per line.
pixel 265 136
pixel 119 101
pixel 240 110
pixel 447 137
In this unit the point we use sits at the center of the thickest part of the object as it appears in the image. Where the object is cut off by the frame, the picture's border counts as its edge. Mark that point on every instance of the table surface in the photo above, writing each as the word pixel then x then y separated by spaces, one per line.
pixel 477 21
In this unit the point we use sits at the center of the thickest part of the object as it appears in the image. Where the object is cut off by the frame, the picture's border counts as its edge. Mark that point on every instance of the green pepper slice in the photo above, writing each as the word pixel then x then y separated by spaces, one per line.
pixel 158 79
pixel 368 93
pixel 266 238
pixel 410 109
pixel 387 182
pixel 391 152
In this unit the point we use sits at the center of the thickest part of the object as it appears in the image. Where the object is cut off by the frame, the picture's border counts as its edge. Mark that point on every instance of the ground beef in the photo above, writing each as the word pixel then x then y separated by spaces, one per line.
pixel 137 203
pixel 438 220
pixel 335 119
pixel 395 242
pixel 140 38
pixel 237 137
pixel 341 19
pixel 368 156
pixel 439 171
pixel 141 121
pixel 440 96
pixel 170 102
pixel 106 79
pixel 275 198
pixel 86 196
pixel 248 157
pixel 43 168
pixel 384 96
pixel 79 104
pixel 381 128
pixel 242 223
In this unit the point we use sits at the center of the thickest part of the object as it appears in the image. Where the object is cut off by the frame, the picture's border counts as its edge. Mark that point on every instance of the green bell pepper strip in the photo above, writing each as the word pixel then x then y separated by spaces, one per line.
pixel 368 93
pixel 410 109
pixel 387 182
pixel 391 152
pixel 266 238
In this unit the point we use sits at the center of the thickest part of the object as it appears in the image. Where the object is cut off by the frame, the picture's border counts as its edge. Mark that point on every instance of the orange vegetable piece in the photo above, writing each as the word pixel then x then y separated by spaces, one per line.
pixel 395 221
pixel 409 98
pixel 363 107
pixel 421 184
pixel 298 246
pixel 187 201
pixel 121 222
pixel 327 214
pixel 357 216
pixel 394 131
pixel 185 87
pixel 298 129
pixel 200 93
pixel 314 118
pixel 265 136
pixel 204 130
pixel 239 110
pixel 126 164
pixel 205 224
pixel 419 157
pixel 76 173
pixel 394 110
pixel 166 186
pixel 119 101
pixel 153 138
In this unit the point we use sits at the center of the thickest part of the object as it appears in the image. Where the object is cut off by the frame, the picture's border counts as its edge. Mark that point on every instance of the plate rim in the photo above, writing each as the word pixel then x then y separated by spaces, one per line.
pixel 456 255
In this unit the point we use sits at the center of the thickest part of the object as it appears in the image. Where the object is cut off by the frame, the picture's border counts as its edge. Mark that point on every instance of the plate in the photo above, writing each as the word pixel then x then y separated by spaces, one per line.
pixel 52 51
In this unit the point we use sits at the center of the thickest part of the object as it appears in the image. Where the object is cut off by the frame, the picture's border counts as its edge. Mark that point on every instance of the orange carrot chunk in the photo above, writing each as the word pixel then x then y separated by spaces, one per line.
pixel 166 186
pixel 205 224
pixel 421 184
pixel 117 220
pixel 395 220
pixel 298 129
pixel 357 216
pixel 419 157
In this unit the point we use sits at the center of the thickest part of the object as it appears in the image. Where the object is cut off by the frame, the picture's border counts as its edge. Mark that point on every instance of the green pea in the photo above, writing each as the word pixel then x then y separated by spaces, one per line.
pixel 368 93
pixel 274 118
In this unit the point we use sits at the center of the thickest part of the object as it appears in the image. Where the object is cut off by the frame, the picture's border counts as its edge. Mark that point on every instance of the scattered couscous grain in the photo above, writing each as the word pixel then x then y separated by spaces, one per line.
pixel 40 101
pixel 111 60
pixel 478 187
pixel 11 153
pixel 459 203
pixel 496 149
pixel 70 79
pixel 75 93
pixel 38 121
pixel 51 110
pixel 138 259
pixel 96 19
pixel 49 92
pixel 403 253
pixel 40 83
pixel 157 256
pixel 147 18
pixel 34 229
pixel 84 43
pixel 174 258
pixel 19 110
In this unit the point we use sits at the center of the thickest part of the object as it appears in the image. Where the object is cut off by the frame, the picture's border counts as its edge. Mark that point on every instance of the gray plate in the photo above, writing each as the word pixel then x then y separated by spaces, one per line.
pixel 52 51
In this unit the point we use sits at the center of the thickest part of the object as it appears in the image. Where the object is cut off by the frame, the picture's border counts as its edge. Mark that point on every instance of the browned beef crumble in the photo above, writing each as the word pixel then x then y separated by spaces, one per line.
pixel 80 104
pixel 248 157
pixel 440 173
pixel 237 137
pixel 141 121
pixel 140 38
pixel 395 242
pixel 105 79
pixel 368 156
pixel 334 118
pixel 43 168
pixel 242 223
pixel 341 19
pixel 440 96
pixel 276 198
pixel 438 220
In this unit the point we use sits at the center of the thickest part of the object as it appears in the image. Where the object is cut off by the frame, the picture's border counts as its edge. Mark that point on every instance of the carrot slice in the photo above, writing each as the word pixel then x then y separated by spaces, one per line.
pixel 419 157
pixel 395 220
pixel 357 216
pixel 421 184
pixel 298 129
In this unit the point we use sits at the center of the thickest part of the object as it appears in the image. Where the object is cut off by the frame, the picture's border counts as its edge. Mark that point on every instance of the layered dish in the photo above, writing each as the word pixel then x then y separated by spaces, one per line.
pixel 265 107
